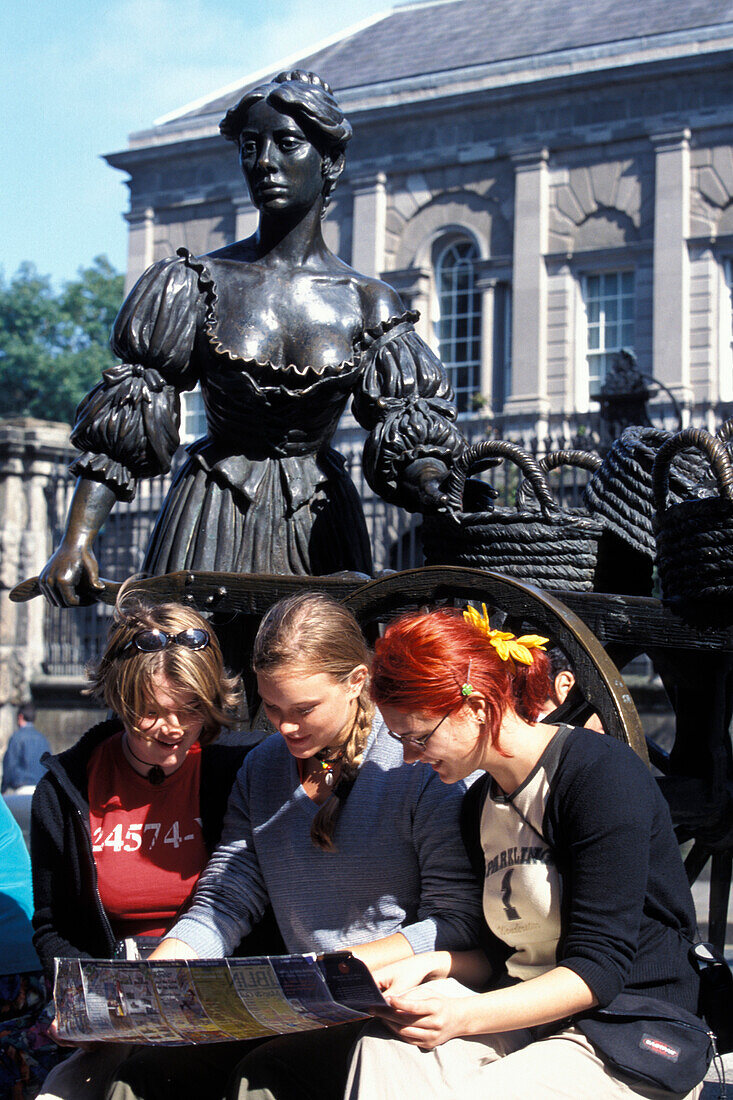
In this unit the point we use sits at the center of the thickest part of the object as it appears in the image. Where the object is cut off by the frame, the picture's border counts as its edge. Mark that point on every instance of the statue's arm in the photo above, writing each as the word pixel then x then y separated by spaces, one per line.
pixel 405 401
pixel 127 426
pixel 71 575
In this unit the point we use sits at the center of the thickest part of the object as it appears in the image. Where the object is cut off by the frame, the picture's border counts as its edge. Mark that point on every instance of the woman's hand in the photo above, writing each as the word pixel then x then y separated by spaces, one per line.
pixel 426 1018
pixel 400 977
pixel 53 1033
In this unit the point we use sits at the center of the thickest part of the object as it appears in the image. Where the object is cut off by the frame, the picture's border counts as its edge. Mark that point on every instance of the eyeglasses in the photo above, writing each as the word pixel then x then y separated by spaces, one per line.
pixel 152 641
pixel 417 742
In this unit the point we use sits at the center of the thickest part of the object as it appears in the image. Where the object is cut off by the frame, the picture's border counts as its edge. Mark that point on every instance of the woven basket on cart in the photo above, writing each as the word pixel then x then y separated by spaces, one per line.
pixel 546 545
pixel 695 536
pixel 620 492
pixel 619 568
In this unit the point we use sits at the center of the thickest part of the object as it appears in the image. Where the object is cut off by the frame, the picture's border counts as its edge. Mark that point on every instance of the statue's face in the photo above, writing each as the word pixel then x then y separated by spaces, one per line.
pixel 283 170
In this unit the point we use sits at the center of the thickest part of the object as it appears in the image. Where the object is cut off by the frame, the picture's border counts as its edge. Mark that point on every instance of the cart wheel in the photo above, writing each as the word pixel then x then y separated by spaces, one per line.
pixel 599 684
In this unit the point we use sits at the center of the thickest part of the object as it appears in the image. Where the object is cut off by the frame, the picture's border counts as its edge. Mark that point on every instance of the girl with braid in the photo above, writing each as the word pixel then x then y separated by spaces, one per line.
pixel 352 848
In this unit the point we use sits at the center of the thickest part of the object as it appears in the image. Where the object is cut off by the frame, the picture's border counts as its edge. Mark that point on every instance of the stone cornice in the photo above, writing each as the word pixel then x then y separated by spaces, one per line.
pixel 24 440
pixel 671 140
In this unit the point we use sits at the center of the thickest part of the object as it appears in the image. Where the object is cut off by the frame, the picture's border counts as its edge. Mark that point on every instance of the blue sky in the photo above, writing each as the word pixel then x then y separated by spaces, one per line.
pixel 79 76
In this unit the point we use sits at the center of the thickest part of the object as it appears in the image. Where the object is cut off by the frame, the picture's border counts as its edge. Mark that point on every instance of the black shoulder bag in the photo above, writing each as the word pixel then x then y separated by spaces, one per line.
pixel 652 1040
pixel 716 993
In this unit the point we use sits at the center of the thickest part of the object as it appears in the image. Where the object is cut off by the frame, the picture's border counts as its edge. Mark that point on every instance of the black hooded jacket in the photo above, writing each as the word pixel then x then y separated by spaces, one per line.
pixel 69 919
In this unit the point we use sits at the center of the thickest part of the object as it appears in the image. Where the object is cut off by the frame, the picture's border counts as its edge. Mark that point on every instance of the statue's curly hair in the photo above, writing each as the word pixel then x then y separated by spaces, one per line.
pixel 310 101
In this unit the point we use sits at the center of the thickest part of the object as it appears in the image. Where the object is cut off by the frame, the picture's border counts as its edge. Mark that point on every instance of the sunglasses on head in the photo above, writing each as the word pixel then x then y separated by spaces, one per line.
pixel 152 641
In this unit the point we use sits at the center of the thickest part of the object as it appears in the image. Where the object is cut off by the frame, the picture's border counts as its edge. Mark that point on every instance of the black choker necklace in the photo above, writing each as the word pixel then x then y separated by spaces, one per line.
pixel 325 756
pixel 156 775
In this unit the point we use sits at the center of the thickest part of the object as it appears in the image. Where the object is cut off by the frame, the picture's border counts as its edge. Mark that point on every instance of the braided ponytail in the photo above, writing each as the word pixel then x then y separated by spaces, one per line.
pixel 324 823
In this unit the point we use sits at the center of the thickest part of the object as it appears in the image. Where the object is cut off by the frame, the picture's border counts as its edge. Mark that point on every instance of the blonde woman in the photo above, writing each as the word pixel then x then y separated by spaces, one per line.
pixel 125 820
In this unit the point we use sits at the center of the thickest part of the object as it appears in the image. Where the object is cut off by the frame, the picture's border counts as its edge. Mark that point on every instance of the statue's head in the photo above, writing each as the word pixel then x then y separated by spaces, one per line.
pixel 310 102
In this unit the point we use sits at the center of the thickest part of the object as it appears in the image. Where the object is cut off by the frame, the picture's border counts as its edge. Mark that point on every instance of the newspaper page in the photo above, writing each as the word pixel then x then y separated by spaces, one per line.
pixel 71 1006
pixel 169 1002
pixel 180 1004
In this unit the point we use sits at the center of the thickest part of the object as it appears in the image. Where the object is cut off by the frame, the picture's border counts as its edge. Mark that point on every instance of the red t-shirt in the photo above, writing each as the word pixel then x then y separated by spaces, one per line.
pixel 147 841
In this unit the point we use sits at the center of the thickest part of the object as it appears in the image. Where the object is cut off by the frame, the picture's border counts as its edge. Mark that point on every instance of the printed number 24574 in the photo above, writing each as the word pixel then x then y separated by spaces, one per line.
pixel 136 834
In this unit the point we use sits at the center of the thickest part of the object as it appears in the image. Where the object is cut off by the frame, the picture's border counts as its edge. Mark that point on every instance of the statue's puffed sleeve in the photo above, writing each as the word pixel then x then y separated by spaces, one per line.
pixel 405 401
pixel 127 426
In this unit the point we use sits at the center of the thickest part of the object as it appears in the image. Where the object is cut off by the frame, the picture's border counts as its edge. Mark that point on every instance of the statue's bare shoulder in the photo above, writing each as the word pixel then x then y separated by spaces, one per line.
pixel 379 302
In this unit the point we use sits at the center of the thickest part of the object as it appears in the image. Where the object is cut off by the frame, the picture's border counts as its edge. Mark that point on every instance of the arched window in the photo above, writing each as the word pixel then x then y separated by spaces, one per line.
pixel 458 326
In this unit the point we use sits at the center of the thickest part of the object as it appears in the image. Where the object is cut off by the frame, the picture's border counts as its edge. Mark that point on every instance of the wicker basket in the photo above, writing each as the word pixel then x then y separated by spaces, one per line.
pixel 621 489
pixel 621 493
pixel 620 568
pixel 695 536
pixel 548 546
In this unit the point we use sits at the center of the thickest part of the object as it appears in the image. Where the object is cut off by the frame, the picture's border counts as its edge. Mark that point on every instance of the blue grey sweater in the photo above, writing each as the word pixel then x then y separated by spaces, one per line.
pixel 400 864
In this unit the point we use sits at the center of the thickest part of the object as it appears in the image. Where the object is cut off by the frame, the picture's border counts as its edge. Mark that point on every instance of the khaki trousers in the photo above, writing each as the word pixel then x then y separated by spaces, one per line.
pixel 511 1066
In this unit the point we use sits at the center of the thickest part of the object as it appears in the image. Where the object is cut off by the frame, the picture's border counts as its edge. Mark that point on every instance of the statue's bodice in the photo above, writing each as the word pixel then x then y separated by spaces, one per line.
pixel 288 406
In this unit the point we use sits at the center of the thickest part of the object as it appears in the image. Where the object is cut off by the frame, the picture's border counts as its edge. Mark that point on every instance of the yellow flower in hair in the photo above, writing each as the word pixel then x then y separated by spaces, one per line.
pixel 481 622
pixel 506 644
pixel 520 648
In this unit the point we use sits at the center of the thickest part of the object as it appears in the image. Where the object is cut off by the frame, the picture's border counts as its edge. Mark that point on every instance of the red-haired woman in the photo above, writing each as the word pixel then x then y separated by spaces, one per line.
pixel 585 895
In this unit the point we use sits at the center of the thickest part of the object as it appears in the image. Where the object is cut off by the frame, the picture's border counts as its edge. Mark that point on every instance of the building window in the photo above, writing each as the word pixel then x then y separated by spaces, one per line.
pixel 458 327
pixel 193 416
pixel 609 311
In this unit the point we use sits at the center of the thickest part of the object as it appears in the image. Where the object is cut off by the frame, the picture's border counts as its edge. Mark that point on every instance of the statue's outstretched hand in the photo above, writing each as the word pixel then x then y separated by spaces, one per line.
pixel 422 485
pixel 70 577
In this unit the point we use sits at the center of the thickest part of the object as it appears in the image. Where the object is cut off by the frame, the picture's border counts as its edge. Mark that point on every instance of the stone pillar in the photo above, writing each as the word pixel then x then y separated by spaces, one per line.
pixel 370 219
pixel 139 244
pixel 528 397
pixel 30 452
pixel 486 285
pixel 671 333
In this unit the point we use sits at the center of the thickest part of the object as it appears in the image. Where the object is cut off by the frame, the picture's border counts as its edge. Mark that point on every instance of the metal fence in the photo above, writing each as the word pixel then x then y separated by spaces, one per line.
pixel 74 636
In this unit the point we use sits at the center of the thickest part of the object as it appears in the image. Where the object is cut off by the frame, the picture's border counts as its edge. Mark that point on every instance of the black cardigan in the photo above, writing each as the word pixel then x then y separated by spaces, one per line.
pixel 69 919
pixel 627 916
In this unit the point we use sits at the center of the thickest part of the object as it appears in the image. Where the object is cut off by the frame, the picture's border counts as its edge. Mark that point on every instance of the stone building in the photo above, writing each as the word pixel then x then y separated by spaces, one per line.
pixel 547 181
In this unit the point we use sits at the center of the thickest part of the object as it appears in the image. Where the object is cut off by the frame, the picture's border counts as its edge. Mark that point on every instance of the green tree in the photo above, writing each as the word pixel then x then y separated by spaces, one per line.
pixel 54 346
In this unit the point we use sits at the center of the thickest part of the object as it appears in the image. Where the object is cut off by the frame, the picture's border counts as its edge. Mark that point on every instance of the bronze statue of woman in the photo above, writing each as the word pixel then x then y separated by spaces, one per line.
pixel 279 333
